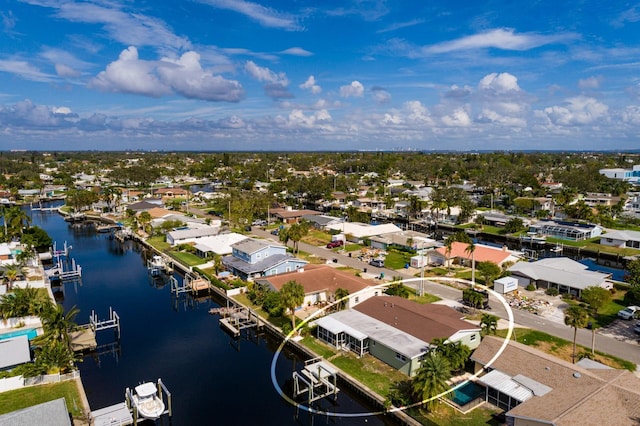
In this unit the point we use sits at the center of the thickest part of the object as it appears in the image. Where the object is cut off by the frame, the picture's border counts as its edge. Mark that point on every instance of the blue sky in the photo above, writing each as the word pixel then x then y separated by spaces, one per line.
pixel 319 75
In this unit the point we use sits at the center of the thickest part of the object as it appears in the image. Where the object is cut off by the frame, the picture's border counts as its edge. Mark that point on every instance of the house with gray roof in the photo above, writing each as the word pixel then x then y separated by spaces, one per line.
pixel 188 235
pixel 322 221
pixel 395 330
pixel 14 351
pixel 621 239
pixel 565 274
pixel 535 388
pixel 51 413
pixel 252 258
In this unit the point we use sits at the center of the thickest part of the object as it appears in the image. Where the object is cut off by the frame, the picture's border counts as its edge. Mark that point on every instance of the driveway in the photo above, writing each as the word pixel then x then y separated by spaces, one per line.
pixel 621 330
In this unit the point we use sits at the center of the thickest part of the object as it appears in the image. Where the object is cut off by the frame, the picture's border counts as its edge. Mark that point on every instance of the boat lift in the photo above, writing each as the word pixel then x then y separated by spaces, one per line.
pixel 317 380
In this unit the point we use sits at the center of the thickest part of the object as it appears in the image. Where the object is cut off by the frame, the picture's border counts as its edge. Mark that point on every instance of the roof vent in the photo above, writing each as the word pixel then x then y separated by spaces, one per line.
pixel 577 375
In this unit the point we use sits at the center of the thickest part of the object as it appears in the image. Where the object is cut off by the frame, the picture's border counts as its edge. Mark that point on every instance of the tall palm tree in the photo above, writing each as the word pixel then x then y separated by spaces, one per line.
pixel 16 220
pixel 339 295
pixel 57 324
pixel 11 272
pixel 471 249
pixel 448 246
pixel 292 296
pixel 431 379
pixel 577 317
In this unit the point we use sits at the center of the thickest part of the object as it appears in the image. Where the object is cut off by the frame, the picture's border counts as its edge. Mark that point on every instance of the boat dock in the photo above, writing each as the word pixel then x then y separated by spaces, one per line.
pixel 127 412
pixel 236 319
pixel 193 284
pixel 84 338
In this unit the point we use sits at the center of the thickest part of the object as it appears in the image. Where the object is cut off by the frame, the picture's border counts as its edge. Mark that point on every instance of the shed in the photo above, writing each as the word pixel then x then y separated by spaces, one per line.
pixel 505 285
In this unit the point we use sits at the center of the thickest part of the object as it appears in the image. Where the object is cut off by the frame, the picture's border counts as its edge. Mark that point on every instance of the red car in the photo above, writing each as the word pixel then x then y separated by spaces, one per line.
pixel 334 244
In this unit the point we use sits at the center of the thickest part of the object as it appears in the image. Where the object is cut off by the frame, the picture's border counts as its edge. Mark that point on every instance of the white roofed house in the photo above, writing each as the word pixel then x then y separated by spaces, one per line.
pixel 219 244
pixel 357 232
pixel 567 275
pixel 630 239
pixel 190 235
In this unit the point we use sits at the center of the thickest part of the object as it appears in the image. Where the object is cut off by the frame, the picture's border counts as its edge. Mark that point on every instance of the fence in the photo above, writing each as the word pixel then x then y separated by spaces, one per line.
pixel 18 382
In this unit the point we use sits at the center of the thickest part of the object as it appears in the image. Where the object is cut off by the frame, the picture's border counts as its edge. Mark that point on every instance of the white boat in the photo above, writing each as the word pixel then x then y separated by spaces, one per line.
pixel 157 265
pixel 147 401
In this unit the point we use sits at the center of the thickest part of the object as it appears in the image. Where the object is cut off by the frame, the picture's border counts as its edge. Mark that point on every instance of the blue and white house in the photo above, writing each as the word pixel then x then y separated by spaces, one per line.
pixel 252 258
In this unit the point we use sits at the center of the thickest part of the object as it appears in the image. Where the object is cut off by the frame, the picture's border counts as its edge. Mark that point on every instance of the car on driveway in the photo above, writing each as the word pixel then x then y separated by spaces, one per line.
pixel 629 312
pixel 334 244
pixel 636 328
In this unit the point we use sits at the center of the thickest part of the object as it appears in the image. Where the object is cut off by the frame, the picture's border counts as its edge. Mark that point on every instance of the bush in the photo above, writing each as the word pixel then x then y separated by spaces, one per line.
pixel 531 287
pixel 552 291
pixel 567 296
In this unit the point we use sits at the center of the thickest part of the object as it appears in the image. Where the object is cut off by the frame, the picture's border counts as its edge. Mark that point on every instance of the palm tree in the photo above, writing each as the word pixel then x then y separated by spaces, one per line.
pixel 471 248
pixel 57 324
pixel 431 379
pixel 577 317
pixel 339 295
pixel 292 296
pixel 11 272
pixel 448 245
pixel 16 220
pixel 144 218
pixel 489 323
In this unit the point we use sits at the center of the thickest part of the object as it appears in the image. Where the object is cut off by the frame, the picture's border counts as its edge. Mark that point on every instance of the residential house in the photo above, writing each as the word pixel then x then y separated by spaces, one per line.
pixel 219 244
pixel 357 232
pixel 320 283
pixel 170 193
pixel 406 240
pixel 536 389
pixel 14 351
pixel 628 175
pixel 50 413
pixel 595 199
pixel 369 204
pixel 395 330
pixel 566 230
pixel 630 239
pixel 252 258
pixel 565 274
pixel 322 221
pixel 190 234
pixel 461 255
pixel 288 215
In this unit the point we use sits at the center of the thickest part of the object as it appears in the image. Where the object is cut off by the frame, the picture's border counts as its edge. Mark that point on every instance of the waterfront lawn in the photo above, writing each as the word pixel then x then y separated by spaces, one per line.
pixel 563 349
pixel 186 258
pixel 369 371
pixel 318 347
pixel 158 242
pixel 26 397
pixel 445 415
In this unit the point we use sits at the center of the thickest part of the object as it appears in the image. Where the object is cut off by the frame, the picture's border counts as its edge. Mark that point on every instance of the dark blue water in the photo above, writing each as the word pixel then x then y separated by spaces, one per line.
pixel 213 378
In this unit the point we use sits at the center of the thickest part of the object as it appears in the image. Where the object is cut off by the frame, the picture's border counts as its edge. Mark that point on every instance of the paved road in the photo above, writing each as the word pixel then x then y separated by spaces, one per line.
pixel 605 344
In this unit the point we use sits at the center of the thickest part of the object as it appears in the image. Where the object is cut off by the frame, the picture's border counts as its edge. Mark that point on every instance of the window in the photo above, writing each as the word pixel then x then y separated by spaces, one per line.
pixel 357 299
pixel 401 357
pixel 472 338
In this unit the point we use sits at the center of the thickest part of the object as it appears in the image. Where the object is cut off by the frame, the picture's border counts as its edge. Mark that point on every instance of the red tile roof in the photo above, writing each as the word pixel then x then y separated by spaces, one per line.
pixel 317 278
pixel 481 253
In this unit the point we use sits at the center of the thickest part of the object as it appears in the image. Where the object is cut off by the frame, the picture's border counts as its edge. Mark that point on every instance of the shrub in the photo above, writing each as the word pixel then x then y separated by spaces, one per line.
pixel 531 287
pixel 567 296
pixel 552 291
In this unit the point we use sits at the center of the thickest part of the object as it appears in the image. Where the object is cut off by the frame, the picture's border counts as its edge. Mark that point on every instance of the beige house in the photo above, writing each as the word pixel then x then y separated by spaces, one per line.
pixel 535 388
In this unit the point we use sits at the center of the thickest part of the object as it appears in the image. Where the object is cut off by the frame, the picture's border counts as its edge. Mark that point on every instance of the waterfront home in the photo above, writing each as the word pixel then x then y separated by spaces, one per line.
pixel 395 330
pixel 461 255
pixel 622 239
pixel 535 388
pixel 566 230
pixel 145 205
pixel 219 244
pixel 51 413
pixel 404 240
pixel 322 221
pixel 562 273
pixel 170 193
pixel 190 235
pixel 252 258
pixel 14 351
pixel 320 283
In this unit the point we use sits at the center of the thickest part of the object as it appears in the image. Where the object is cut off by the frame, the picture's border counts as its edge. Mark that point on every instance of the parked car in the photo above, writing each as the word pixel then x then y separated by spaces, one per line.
pixel 377 262
pixel 275 231
pixel 636 328
pixel 629 312
pixel 334 244
pixel 259 222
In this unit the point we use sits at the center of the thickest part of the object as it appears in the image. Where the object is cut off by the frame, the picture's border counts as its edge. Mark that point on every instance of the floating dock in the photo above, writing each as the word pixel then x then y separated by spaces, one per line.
pixel 84 338
pixel 316 380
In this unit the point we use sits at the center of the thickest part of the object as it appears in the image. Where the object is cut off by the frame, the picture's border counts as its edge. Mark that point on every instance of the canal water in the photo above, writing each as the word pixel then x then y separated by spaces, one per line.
pixel 213 378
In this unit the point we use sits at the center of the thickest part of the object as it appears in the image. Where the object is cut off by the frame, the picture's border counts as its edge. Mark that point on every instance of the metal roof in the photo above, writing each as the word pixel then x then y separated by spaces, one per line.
pixel 14 351
pixel 505 384
pixel 52 413
pixel 333 325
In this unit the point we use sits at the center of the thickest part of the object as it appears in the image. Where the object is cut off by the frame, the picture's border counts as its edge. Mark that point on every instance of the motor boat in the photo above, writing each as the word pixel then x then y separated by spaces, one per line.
pixel 147 401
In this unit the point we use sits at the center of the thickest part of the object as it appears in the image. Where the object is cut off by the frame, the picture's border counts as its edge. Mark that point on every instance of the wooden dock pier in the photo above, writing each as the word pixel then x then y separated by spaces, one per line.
pixel 84 338
pixel 317 380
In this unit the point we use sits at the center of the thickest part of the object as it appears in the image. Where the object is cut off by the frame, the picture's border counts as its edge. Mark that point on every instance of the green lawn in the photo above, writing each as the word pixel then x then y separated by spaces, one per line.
pixel 370 371
pixel 317 347
pixel 187 259
pixel 396 259
pixel 446 415
pixel 26 397
pixel 563 348
pixel 159 243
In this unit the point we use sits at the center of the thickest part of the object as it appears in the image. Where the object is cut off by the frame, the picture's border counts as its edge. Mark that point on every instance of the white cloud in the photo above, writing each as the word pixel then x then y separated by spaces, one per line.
pixel 65 71
pixel 183 76
pixel 296 51
pixel 311 85
pixel 580 110
pixel 458 118
pixel 24 69
pixel 187 78
pixel 501 38
pixel 417 112
pixel 265 16
pixel 321 118
pixel 380 95
pixel 499 83
pixel 276 84
pixel 590 83
pixel 631 115
pixel 355 89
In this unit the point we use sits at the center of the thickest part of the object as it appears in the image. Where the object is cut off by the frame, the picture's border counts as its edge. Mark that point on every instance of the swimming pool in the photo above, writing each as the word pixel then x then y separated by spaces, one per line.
pixel 467 393
pixel 31 333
